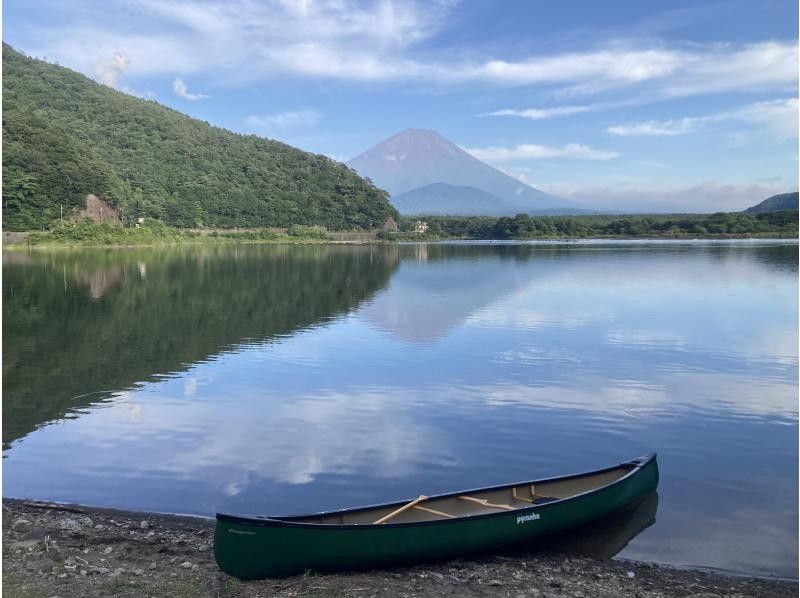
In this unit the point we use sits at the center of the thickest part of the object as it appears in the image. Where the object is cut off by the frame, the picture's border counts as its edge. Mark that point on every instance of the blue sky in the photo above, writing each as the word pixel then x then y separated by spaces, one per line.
pixel 665 105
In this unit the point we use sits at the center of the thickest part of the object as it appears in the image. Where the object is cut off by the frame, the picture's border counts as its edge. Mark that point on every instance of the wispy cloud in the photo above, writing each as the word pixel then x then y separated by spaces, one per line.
pixel 108 71
pixel 382 41
pixel 540 113
pixel 636 196
pixel 290 119
pixel 662 128
pixel 778 117
pixel 180 89
pixel 526 151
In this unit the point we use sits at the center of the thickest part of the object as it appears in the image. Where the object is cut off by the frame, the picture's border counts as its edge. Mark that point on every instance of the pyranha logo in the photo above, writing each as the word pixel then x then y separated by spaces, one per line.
pixel 526 518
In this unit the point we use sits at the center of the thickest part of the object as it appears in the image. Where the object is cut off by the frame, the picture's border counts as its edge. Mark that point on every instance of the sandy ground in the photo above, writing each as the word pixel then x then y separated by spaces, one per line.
pixel 71 552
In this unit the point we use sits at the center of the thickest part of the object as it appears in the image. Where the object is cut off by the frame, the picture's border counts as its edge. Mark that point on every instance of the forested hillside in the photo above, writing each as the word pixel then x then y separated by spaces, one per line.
pixel 776 203
pixel 65 136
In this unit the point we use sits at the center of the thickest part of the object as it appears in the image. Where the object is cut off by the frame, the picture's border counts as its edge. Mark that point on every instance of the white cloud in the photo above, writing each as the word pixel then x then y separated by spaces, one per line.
pixel 614 64
pixel 378 41
pixel 778 117
pixel 109 71
pixel 291 119
pixel 528 151
pixel 180 89
pixel 541 113
pixel 668 128
pixel 708 196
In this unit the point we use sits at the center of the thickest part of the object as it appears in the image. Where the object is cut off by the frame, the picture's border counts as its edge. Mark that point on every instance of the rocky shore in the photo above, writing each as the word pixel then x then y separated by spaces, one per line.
pixel 67 551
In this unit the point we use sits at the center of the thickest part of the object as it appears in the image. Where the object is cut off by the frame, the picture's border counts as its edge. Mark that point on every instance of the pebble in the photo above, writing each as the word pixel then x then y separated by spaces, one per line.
pixel 186 565
pixel 138 571
pixel 108 550
pixel 100 527
pixel 631 574
pixel 152 566
pixel 494 582
pixel 144 525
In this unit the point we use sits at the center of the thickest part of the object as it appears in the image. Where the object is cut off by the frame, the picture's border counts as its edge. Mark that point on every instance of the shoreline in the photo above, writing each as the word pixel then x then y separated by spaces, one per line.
pixel 74 551
pixel 20 244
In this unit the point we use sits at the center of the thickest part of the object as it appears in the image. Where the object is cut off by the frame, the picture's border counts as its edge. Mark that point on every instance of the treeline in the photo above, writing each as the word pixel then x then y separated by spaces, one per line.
pixel 523 226
pixel 65 136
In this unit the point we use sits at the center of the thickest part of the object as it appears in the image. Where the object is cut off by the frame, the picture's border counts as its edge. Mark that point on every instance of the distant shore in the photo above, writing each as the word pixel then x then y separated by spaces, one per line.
pixel 73 552
pixel 22 240
pixel 152 232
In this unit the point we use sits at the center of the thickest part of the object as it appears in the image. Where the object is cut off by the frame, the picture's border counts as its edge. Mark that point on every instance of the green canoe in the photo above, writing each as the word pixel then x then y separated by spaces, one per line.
pixel 427 528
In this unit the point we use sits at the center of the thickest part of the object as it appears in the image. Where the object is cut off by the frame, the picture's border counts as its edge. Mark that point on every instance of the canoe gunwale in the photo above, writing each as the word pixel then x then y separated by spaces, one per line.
pixel 297 520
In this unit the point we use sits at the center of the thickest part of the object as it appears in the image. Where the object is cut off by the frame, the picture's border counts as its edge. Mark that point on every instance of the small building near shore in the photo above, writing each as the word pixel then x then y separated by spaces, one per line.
pixel 420 227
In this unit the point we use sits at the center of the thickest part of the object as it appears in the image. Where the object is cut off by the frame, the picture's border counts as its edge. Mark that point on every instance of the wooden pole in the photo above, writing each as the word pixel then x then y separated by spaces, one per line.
pixel 405 507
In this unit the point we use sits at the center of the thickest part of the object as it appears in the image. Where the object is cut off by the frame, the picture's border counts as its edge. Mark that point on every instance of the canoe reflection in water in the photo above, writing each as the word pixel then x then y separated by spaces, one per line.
pixel 605 538
pixel 427 528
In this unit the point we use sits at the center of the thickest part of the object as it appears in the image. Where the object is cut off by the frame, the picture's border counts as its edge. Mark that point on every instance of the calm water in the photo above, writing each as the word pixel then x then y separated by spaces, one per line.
pixel 265 379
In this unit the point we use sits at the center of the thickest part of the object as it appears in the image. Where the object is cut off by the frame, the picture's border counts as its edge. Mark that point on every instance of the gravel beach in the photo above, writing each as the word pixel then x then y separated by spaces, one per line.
pixel 69 551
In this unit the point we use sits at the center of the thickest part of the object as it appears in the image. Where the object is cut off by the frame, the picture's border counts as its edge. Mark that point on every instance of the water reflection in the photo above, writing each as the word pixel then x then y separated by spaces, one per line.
pixel 78 326
pixel 608 537
pixel 285 380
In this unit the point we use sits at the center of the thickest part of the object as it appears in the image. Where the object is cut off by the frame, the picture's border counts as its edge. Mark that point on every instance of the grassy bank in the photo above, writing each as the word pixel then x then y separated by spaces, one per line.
pixel 522 227
pixel 153 232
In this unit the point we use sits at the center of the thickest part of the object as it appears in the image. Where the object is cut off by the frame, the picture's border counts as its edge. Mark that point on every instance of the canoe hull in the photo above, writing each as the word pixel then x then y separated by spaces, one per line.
pixel 257 549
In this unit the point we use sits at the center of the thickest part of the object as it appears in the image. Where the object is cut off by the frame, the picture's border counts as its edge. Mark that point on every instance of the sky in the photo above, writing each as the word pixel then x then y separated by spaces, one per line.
pixel 683 105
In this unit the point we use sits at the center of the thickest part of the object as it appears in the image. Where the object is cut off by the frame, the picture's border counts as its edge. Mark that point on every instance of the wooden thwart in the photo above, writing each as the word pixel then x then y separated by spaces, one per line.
pixel 435 512
pixel 486 503
pixel 405 507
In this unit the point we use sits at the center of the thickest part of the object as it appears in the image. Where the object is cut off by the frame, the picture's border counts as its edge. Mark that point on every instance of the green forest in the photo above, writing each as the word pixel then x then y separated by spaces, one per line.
pixel 523 226
pixel 65 136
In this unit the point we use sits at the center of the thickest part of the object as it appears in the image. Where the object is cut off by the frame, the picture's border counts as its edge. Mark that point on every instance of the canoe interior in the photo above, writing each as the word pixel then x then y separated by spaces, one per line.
pixel 506 498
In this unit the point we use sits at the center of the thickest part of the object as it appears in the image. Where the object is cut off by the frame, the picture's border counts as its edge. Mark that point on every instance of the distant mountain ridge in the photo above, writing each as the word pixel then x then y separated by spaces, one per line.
pixel 453 200
pixel 416 158
pixel 776 203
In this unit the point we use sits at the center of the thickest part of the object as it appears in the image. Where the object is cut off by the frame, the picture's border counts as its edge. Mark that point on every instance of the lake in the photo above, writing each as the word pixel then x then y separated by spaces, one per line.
pixel 288 379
